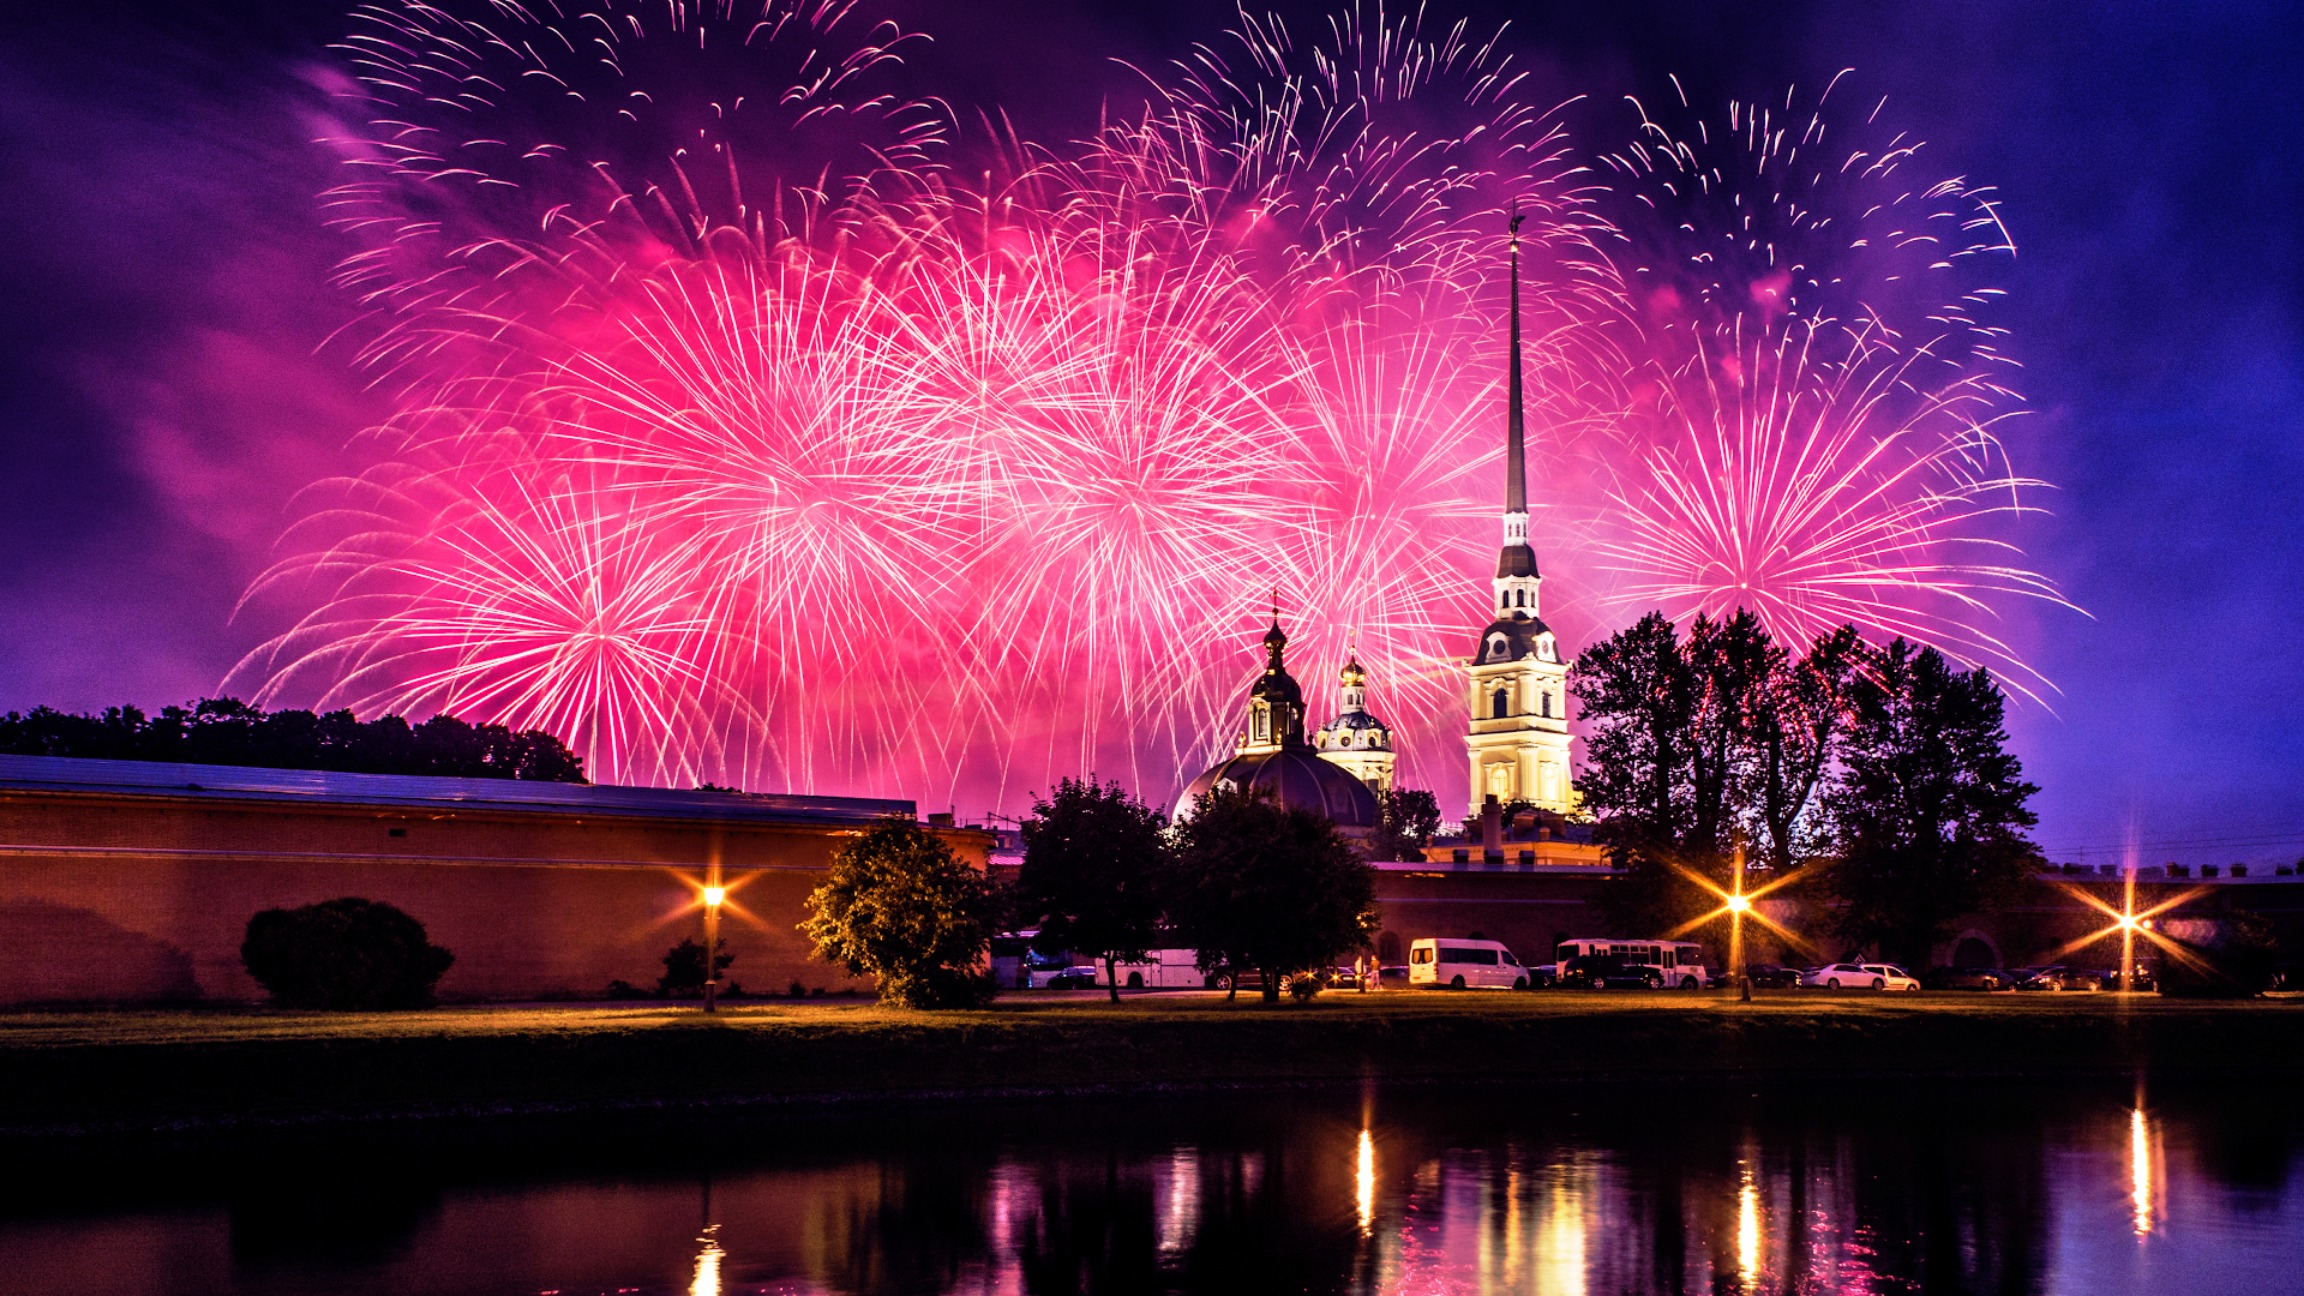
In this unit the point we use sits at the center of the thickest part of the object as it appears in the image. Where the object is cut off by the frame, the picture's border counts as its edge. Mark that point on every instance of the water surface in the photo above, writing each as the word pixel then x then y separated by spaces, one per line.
pixel 1861 1188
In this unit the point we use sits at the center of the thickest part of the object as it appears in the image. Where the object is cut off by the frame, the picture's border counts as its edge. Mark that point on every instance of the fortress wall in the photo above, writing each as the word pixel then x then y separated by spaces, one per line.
pixel 145 899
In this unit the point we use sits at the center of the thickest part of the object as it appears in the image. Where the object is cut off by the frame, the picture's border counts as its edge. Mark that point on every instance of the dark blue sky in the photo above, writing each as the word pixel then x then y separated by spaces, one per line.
pixel 164 316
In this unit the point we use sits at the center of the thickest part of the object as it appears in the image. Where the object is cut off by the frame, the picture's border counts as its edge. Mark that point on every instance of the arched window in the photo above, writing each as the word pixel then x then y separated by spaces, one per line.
pixel 1546 698
pixel 1500 705
pixel 1523 598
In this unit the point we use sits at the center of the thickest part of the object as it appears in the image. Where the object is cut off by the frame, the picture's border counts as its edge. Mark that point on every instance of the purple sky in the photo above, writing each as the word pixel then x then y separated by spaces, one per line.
pixel 166 380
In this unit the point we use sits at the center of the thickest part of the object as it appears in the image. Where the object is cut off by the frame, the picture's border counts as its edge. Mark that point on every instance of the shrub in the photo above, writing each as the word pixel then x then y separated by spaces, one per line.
pixel 346 954
pixel 684 968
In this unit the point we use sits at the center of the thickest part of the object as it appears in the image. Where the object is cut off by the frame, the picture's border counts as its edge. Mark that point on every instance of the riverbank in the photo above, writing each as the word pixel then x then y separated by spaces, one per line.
pixel 138 1072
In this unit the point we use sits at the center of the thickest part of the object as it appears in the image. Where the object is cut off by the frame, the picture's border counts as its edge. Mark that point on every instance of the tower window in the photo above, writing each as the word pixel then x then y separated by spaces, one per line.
pixel 1500 705
pixel 1546 697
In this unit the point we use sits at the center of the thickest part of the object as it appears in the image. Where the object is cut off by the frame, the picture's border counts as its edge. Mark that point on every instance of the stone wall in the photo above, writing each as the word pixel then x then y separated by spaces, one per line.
pixel 145 899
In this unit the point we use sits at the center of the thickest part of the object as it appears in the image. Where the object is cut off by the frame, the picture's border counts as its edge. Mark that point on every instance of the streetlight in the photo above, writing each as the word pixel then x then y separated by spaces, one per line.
pixel 714 893
pixel 1738 905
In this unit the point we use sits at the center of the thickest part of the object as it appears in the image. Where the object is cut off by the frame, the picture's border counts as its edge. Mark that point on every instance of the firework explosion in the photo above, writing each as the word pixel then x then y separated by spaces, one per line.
pixel 758 424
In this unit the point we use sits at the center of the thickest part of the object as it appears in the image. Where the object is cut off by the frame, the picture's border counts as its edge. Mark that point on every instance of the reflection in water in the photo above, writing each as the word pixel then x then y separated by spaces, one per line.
pixel 1748 1231
pixel 1364 1183
pixel 2140 1170
pixel 1914 1192
pixel 707 1279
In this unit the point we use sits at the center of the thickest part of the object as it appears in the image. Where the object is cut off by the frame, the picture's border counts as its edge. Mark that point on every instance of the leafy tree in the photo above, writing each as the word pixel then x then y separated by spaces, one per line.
pixel 1406 821
pixel 1094 864
pixel 1796 731
pixel 1257 885
pixel 900 906
pixel 1640 698
pixel 227 731
pixel 684 967
pixel 344 955
pixel 1928 813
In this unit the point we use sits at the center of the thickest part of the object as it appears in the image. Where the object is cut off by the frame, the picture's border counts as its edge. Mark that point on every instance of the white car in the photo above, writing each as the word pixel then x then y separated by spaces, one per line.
pixel 1859 976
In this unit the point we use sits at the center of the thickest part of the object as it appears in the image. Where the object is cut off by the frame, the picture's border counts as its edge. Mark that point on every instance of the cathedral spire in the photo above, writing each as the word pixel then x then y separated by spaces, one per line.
pixel 1517 561
pixel 1515 429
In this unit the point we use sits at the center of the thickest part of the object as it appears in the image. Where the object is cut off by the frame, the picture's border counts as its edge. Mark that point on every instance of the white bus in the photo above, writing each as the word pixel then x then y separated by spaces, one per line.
pixel 1163 969
pixel 1463 964
pixel 1681 962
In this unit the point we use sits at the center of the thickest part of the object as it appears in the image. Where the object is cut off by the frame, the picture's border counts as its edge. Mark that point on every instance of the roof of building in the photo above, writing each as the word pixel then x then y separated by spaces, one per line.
pixel 64 774
pixel 1509 639
pixel 1351 729
pixel 1298 778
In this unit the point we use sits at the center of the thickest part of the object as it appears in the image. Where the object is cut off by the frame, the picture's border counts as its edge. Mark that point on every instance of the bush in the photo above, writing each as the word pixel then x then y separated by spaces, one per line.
pixel 344 955
pixel 684 968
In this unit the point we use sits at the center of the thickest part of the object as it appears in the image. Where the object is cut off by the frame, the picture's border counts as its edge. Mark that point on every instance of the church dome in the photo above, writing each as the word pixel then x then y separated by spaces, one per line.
pixel 1297 778
pixel 1514 638
pixel 1356 731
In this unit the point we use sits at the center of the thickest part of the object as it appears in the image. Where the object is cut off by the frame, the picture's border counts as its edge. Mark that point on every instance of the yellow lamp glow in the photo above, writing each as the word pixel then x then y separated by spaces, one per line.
pixel 714 895
pixel 1738 904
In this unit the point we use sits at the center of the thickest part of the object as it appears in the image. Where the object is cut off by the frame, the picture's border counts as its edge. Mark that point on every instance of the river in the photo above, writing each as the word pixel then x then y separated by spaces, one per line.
pixel 2084 1188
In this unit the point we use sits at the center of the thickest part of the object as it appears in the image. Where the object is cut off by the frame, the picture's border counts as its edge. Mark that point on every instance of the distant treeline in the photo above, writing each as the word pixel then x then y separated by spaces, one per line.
pixel 227 731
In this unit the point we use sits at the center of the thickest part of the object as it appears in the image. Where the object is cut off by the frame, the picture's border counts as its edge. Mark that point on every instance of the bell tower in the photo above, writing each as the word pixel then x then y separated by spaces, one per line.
pixel 1517 685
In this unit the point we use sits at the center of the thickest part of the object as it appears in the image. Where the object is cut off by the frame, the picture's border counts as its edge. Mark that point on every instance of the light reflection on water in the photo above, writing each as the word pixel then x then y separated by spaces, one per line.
pixel 1412 1195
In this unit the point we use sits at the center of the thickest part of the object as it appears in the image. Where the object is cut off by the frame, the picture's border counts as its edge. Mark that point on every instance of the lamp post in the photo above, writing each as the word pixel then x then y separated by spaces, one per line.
pixel 1738 903
pixel 714 893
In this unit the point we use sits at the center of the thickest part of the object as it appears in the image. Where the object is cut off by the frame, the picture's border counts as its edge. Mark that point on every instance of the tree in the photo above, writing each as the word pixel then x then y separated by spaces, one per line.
pixel 1641 698
pixel 1928 812
pixel 227 731
pixel 1258 885
pixel 347 954
pixel 900 906
pixel 1797 731
pixel 684 967
pixel 1094 865
pixel 1406 821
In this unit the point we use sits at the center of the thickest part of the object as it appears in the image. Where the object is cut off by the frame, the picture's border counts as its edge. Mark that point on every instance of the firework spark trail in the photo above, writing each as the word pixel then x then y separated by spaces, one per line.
pixel 1816 434
pixel 1822 495
pixel 742 439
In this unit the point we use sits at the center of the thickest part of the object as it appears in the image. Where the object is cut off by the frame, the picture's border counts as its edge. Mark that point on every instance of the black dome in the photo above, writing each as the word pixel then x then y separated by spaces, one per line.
pixel 1509 639
pixel 1299 779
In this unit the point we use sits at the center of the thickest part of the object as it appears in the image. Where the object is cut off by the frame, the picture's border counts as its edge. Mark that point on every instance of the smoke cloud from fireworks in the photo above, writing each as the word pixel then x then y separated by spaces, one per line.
pixel 760 422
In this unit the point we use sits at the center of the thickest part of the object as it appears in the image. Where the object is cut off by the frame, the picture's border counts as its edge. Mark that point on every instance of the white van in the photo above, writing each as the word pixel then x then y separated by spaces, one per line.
pixel 1462 964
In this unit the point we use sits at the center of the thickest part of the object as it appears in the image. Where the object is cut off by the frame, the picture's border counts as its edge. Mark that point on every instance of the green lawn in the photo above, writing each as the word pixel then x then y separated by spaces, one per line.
pixel 134 1070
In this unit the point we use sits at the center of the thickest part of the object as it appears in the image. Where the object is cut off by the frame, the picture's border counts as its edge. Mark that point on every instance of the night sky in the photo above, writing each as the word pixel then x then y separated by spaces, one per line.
pixel 168 379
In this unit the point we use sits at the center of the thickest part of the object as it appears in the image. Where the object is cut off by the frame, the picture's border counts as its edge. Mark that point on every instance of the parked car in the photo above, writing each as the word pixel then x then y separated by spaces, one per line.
pixel 1968 978
pixel 1544 976
pixel 2145 980
pixel 1392 976
pixel 2056 976
pixel 1072 978
pixel 1769 976
pixel 1610 972
pixel 1859 976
